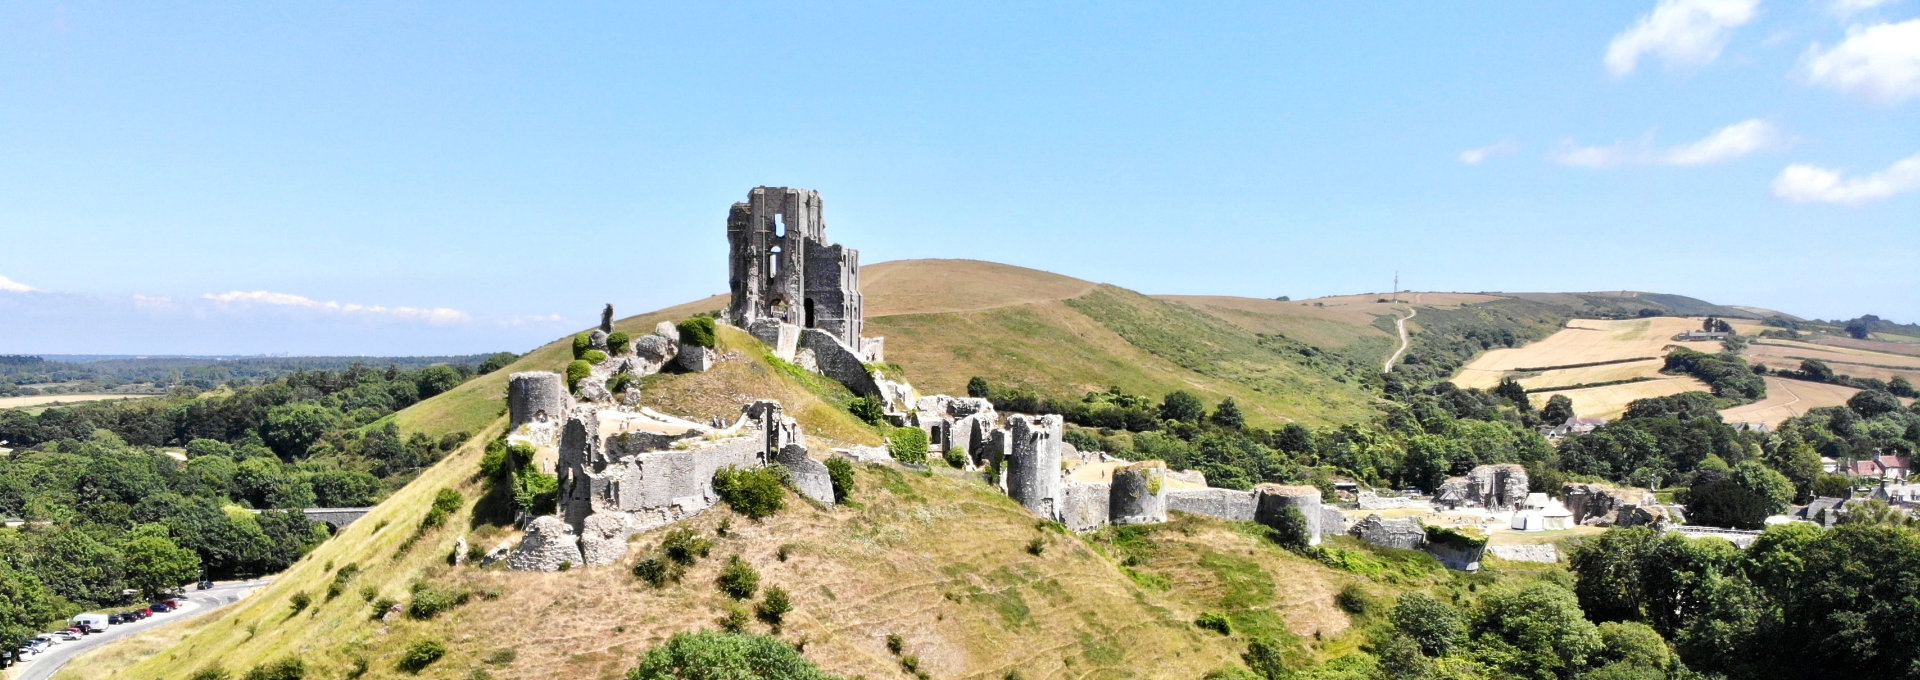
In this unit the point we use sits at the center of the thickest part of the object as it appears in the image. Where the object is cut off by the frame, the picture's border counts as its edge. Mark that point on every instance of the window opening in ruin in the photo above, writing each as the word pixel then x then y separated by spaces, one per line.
pixel 773 263
pixel 779 226
pixel 809 312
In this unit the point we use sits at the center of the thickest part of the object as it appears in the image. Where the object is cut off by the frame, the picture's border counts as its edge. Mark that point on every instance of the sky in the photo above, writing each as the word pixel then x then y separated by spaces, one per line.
pixel 437 178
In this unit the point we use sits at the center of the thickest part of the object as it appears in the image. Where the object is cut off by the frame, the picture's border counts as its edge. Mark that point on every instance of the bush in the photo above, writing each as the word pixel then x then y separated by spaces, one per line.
pixel 774 607
pixel 699 332
pixel 1291 530
pixel 895 643
pixel 618 342
pixel 1354 599
pixel 956 457
pixel 576 372
pixel 840 473
pixel 755 492
pixel 977 388
pixel 1037 546
pixel 494 463
pixel 380 605
pixel 658 572
pixel 502 656
pixel 210 673
pixel 445 502
pixel 430 602
pixel 735 620
pixel 868 409
pixel 908 445
pixel 690 656
pixel 300 601
pixel 685 546
pixel 536 493
pixel 290 668
pixel 739 580
pixel 594 356
pixel 620 383
pixel 1216 622
pixel 422 654
pixel 582 343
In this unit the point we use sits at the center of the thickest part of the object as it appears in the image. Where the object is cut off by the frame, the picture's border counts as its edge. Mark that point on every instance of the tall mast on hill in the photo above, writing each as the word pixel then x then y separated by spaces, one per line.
pixel 1396 285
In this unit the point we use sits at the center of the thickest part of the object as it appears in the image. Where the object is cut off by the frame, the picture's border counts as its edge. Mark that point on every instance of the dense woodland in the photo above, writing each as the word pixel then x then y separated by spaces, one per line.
pixel 32 375
pixel 107 515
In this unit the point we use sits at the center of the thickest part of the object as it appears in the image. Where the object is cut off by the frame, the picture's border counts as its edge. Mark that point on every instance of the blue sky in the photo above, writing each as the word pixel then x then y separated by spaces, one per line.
pixel 433 178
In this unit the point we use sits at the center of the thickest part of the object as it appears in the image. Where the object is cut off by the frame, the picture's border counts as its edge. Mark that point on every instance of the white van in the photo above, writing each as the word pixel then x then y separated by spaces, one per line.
pixel 92 623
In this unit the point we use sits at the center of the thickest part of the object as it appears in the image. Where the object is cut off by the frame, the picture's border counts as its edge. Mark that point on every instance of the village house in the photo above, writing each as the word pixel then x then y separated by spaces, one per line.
pixel 1574 425
pixel 1882 466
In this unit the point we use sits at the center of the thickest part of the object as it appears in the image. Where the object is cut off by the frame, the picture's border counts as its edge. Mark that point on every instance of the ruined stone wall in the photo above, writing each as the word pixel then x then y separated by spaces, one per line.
pixel 1270 500
pixel 1033 464
pixel 783 337
pixel 809 476
pixel 782 268
pixel 832 293
pixel 1139 494
pixel 1405 533
pixel 536 396
pixel 1226 504
pixel 1084 506
pixel 839 362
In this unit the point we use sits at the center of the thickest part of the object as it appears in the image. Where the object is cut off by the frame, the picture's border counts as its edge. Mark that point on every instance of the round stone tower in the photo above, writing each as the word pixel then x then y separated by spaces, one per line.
pixel 1270 500
pixel 536 397
pixel 1139 494
pixel 1033 464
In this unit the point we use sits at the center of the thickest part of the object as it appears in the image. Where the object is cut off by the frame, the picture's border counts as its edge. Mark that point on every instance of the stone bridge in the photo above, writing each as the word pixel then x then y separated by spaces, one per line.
pixel 338 518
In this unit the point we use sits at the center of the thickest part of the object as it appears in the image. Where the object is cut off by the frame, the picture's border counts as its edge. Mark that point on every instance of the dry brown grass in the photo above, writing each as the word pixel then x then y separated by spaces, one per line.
pixel 1906 348
pixel 1584 341
pixel 1588 375
pixel 742 376
pixel 1788 398
pixel 1333 326
pixel 62 399
pixel 934 286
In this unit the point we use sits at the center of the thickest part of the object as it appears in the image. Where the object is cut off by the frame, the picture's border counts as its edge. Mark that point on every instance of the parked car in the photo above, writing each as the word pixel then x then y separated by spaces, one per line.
pixel 206 585
pixel 160 608
pixel 25 653
pixel 70 634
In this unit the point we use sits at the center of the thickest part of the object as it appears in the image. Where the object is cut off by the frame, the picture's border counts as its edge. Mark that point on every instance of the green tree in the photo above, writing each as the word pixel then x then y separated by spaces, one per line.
pixel 435 380
pixel 1536 632
pixel 1816 370
pixel 1435 626
pixel 495 362
pixel 1182 407
pixel 1558 409
pixel 1899 386
pixel 292 428
pixel 1873 403
pixel 156 566
pixel 1228 415
pixel 344 488
pixel 977 388
pixel 77 566
pixel 1633 643
pixel 26 606
pixel 712 655
pixel 1741 498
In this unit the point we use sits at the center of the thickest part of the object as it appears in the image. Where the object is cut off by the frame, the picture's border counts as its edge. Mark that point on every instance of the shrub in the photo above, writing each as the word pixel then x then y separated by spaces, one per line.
pixel 594 356
pixel 618 342
pixel 739 580
pixel 840 473
pixel 725 527
pixel 774 607
pixel 1291 530
pixel 620 383
pixel 444 503
pixel 1037 546
pixel 868 409
pixel 1263 657
pixel 735 620
pixel 755 492
pixel 977 388
pixel 658 572
pixel 300 601
pixel 895 643
pixel 210 673
pixel 381 605
pixel 290 668
pixel 685 546
pixel 1216 622
pixel 422 654
pixel 494 463
pixel 1354 599
pixel 908 445
pixel 957 457
pixel 910 663
pixel 535 492
pixel 783 551
pixel 502 656
pixel 577 371
pixel 430 602
pixel 582 343
pixel 693 655
pixel 699 332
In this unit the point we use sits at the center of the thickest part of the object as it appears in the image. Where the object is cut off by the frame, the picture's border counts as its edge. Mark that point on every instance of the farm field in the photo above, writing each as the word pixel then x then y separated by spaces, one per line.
pixel 1587 341
pixel 39 400
pixel 1859 363
pixel 1788 398
pixel 1588 375
pixel 1890 346
pixel 1610 401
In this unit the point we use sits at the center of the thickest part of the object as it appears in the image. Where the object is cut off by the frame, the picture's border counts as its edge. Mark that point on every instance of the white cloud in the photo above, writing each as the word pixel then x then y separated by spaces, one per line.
pixel 1479 155
pixel 11 286
pixel 1724 144
pixel 1847 8
pixel 1802 183
pixel 1680 31
pixel 435 316
pixel 1881 62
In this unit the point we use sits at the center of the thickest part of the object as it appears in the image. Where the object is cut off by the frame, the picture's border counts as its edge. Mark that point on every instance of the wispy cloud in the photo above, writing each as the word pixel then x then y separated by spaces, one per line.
pixel 1803 183
pixel 11 286
pixel 1847 8
pixel 1479 155
pixel 1725 144
pixel 1691 32
pixel 1880 62
pixel 436 315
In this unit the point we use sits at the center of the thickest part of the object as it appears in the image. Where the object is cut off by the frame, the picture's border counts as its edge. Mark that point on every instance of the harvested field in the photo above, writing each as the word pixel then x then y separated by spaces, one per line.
pixel 1588 375
pixel 1906 348
pixel 1786 399
pixel 1611 401
pixel 1828 353
pixel 64 399
pixel 1585 341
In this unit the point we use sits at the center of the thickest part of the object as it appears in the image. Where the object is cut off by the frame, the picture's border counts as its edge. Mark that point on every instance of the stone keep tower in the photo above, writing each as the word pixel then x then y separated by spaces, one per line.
pixel 783 269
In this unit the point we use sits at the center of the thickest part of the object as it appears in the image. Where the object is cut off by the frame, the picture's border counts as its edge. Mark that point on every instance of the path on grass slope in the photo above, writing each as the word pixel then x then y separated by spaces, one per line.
pixel 1402 325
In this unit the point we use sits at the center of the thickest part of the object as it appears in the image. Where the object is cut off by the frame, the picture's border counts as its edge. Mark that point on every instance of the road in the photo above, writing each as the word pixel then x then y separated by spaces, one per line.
pixel 197 602
pixel 1402 324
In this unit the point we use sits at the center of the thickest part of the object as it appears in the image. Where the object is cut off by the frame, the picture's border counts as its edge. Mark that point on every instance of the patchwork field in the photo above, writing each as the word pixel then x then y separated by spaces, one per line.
pixel 1589 375
pixel 1903 346
pixel 1610 401
pixel 1585 341
pixel 1788 398
pixel 62 399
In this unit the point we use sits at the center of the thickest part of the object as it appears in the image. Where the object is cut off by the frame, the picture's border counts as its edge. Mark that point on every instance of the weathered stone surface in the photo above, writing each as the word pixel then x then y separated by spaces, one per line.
pixel 694 358
pixel 1139 494
pixel 1600 504
pixel 1194 477
pixel 603 538
pixel 652 352
pixel 594 389
pixel 548 544
pixel 783 268
pixel 1033 464
pixel 866 454
pixel 1226 504
pixel 874 350
pixel 1404 533
pixel 1500 487
pixel 460 551
pixel 1459 558
pixel 1544 552
pixel 1332 521
pixel 1455 492
pixel 783 337
pixel 606 319
pixel 668 330
pixel 809 476
pixel 597 340
pixel 1271 500
pixel 536 396
pixel 835 360
pixel 1084 505
pixel 652 488
pixel 1369 500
